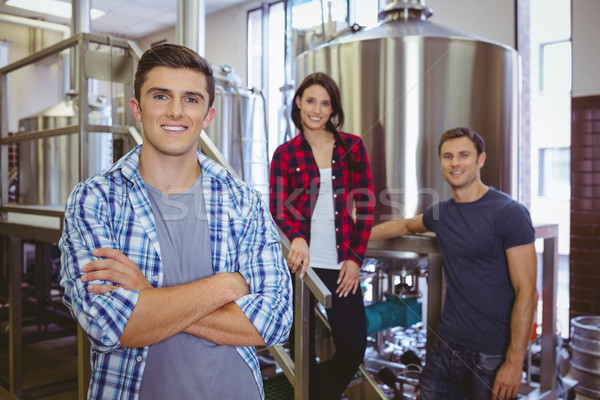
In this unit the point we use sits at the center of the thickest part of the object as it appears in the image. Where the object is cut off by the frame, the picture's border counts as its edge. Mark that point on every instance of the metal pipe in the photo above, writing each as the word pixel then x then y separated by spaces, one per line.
pixel 80 16
pixel 11 19
pixel 191 24
pixel 81 22
pixel 404 10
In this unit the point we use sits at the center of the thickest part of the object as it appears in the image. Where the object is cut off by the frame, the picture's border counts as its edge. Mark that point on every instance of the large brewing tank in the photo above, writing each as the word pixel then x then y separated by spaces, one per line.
pixel 49 167
pixel 239 128
pixel 405 82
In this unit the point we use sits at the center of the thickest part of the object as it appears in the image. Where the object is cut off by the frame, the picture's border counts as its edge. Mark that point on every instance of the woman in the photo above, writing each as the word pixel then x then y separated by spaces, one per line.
pixel 321 198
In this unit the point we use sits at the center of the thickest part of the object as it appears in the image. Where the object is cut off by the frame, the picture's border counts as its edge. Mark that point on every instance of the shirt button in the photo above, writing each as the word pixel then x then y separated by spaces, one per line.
pixel 333 177
pixel 337 229
pixel 155 278
pixel 338 246
pixel 336 213
pixel 334 196
pixel 297 169
pixel 139 358
pixel 333 161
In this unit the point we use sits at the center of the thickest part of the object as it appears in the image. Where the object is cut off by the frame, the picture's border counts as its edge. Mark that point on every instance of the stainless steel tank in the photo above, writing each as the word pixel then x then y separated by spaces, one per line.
pixel 405 82
pixel 49 168
pixel 239 128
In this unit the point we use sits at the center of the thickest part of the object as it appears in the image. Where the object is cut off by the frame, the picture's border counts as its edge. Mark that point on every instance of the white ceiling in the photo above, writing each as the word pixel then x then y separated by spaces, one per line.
pixel 129 19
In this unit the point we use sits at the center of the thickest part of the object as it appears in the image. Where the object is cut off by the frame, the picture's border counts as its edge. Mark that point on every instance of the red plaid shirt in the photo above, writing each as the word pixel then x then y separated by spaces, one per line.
pixel 294 188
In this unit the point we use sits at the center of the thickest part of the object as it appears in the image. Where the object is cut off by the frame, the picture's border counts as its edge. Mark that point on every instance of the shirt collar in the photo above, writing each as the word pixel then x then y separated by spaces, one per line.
pixel 299 139
pixel 129 165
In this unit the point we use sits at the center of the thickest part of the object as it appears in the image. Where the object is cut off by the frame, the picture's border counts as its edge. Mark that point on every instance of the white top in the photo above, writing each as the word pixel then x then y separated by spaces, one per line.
pixel 323 252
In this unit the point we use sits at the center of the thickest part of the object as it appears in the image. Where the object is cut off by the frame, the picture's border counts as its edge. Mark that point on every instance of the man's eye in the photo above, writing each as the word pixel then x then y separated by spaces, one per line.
pixel 191 100
pixel 160 97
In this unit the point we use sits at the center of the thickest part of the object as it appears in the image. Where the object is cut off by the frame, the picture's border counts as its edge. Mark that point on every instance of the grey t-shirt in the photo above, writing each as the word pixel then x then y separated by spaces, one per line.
pixel 184 366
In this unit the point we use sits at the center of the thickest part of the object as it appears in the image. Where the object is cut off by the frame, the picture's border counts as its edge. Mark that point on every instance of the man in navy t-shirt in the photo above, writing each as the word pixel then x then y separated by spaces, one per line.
pixel 487 244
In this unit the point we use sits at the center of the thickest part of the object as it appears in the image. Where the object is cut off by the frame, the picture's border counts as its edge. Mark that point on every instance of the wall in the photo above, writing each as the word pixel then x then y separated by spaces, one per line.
pixel 226 33
pixel 586 48
pixel 585 161
pixel 167 35
pixel 226 29
pixel 490 19
pixel 226 38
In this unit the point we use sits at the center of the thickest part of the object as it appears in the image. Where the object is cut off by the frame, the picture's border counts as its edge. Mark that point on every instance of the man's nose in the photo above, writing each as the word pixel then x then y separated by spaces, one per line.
pixel 175 109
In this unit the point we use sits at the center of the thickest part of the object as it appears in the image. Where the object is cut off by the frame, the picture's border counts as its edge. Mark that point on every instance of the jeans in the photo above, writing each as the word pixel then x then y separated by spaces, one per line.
pixel 348 323
pixel 453 372
pixel 349 332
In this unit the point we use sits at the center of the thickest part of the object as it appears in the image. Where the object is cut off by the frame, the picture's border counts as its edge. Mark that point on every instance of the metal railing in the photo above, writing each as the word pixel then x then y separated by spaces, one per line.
pixel 43 223
pixel 297 372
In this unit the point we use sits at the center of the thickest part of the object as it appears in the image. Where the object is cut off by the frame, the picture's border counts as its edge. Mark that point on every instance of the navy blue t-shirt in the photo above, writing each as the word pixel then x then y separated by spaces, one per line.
pixel 473 238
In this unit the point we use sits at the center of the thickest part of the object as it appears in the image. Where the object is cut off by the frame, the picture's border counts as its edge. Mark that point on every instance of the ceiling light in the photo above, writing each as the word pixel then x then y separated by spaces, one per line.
pixel 51 7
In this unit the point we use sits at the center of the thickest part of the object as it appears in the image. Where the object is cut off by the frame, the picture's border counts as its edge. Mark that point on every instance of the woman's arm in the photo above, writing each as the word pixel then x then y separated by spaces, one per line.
pixel 364 204
pixel 279 194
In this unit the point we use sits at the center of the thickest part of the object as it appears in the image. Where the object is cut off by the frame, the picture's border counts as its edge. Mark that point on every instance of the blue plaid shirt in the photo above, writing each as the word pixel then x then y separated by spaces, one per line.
pixel 112 210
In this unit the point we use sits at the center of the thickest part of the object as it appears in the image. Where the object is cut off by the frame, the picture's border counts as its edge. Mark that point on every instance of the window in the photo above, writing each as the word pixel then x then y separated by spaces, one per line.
pixel 554 173
pixel 307 14
pixel 255 48
pixel 3 53
pixel 555 67
pixel 365 12
pixel 266 61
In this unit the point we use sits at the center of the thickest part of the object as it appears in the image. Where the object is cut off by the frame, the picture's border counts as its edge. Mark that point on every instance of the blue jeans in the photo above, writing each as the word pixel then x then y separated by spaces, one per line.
pixel 453 372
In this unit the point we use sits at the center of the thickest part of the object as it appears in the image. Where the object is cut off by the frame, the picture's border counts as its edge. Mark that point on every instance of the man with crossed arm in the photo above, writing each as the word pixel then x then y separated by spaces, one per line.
pixel 172 267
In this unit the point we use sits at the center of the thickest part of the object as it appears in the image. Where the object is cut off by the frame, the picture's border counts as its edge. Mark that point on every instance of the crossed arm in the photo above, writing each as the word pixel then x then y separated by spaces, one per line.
pixel 203 308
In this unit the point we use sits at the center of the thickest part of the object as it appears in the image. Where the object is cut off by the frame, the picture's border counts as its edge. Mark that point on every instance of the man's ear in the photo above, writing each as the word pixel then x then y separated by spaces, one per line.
pixel 134 104
pixel 209 117
pixel 481 159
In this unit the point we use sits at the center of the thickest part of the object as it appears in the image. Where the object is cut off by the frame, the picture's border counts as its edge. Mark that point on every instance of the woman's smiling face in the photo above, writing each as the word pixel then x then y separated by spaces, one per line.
pixel 315 108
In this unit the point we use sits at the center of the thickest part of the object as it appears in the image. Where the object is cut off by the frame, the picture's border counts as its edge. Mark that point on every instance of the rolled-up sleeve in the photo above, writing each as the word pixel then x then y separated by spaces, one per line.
pixel 87 227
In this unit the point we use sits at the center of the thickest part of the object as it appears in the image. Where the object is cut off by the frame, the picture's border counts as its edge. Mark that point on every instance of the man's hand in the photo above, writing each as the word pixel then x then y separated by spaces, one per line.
pixel 114 267
pixel 507 382
pixel 239 283
pixel 117 268
pixel 299 256
pixel 348 279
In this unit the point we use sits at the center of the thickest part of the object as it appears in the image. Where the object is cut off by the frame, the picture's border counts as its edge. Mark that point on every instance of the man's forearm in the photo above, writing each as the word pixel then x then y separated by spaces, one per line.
pixel 389 229
pixel 521 325
pixel 227 326
pixel 398 227
pixel 162 312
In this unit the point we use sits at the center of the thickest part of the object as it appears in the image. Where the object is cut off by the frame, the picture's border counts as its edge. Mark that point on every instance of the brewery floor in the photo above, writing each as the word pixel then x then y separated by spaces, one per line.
pixel 53 361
